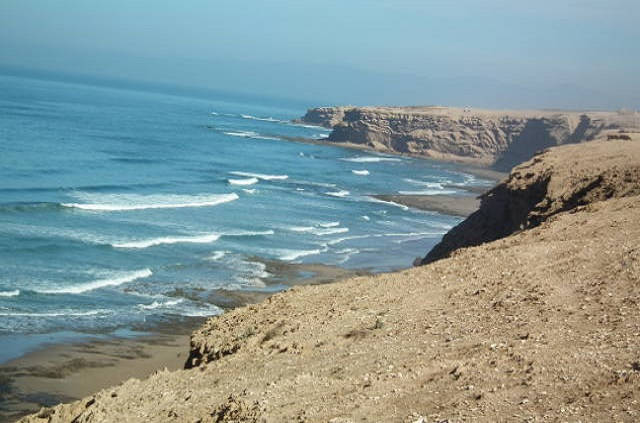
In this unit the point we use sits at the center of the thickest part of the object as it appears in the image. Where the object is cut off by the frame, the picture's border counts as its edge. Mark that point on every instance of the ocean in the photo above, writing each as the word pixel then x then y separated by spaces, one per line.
pixel 121 208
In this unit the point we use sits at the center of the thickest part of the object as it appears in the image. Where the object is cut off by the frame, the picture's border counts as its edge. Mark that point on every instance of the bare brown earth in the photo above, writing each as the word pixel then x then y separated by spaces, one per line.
pixel 497 138
pixel 541 325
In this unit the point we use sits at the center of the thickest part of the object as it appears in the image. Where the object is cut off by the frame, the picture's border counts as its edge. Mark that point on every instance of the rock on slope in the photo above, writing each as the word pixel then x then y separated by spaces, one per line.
pixel 543 324
pixel 483 137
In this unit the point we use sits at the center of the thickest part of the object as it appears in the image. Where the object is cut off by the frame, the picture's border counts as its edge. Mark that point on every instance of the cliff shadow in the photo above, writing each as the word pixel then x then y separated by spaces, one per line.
pixel 534 137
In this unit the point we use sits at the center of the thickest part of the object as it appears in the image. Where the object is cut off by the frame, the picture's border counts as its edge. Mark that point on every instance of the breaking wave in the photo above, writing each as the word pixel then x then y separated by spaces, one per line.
pixel 101 283
pixel 370 159
pixel 247 181
pixel 198 239
pixel 260 176
pixel 127 202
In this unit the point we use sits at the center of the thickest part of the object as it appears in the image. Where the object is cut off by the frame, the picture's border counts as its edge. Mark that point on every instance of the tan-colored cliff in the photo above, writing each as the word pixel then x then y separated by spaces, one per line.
pixel 541 325
pixel 551 182
pixel 498 138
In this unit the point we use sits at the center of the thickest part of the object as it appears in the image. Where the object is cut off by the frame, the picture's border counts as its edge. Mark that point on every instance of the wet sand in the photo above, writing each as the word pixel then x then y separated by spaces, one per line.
pixel 454 205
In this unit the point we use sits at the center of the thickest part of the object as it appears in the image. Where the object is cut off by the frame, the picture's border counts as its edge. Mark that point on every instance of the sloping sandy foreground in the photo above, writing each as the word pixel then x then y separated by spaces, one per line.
pixel 543 324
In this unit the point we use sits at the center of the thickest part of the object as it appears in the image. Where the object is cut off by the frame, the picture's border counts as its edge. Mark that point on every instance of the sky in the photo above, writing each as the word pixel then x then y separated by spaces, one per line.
pixel 580 54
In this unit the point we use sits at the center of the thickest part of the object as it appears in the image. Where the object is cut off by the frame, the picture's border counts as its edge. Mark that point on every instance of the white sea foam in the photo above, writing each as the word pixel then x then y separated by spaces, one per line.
pixel 247 181
pixel 304 125
pixel 70 313
pixel 267 119
pixel 13 293
pixel 289 255
pixel 250 134
pixel 320 229
pixel 217 255
pixel 346 238
pixel 390 203
pixel 201 310
pixel 146 243
pixel 363 172
pixel 160 304
pixel 341 193
pixel 329 231
pixel 329 224
pixel 301 228
pixel 250 233
pixel 370 159
pixel 250 191
pixel 126 202
pixel 115 280
pixel 347 252
pixel 367 218
pixel 260 176
pixel 428 192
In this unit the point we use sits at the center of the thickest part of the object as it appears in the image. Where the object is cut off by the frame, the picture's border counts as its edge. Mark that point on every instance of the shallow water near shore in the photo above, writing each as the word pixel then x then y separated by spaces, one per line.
pixel 121 208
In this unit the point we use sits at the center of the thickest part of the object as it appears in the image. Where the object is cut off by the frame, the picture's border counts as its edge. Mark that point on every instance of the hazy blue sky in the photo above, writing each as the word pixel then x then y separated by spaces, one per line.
pixel 494 53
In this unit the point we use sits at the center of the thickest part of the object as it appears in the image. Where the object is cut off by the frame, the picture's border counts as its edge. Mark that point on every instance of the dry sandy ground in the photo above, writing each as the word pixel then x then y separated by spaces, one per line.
pixel 543 325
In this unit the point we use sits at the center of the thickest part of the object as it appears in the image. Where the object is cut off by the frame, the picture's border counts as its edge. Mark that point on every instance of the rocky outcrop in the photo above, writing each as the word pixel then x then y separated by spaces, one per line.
pixel 324 116
pixel 552 182
pixel 483 137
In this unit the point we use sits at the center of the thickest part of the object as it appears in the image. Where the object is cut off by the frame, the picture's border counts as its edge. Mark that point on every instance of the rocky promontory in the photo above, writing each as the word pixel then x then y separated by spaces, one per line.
pixel 500 139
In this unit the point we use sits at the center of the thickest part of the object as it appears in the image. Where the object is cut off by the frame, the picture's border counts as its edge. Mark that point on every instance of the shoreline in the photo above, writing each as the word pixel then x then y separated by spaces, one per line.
pixel 63 372
pixel 452 205
pixel 472 167
pixel 513 328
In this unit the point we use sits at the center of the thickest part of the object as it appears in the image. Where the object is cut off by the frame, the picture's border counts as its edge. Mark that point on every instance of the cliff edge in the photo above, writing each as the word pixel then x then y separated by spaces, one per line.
pixel 500 139
pixel 553 182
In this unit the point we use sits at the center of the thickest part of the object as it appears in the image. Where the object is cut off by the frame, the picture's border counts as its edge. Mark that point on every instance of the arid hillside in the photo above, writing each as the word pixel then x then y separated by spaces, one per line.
pixel 540 325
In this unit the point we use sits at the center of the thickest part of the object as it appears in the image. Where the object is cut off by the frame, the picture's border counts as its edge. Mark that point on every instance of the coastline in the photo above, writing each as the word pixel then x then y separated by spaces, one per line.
pixel 452 205
pixel 61 372
pixel 65 372
pixel 467 166
pixel 510 329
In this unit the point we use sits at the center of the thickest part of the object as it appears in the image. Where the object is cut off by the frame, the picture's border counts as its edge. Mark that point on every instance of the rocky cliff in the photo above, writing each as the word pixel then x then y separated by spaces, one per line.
pixel 550 183
pixel 482 137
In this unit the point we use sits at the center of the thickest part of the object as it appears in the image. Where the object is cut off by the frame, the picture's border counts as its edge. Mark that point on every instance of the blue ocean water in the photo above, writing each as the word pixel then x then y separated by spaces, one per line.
pixel 119 206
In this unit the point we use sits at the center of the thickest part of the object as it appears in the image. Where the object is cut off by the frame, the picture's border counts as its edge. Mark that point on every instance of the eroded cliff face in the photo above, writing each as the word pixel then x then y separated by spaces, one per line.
pixel 324 116
pixel 554 181
pixel 492 138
